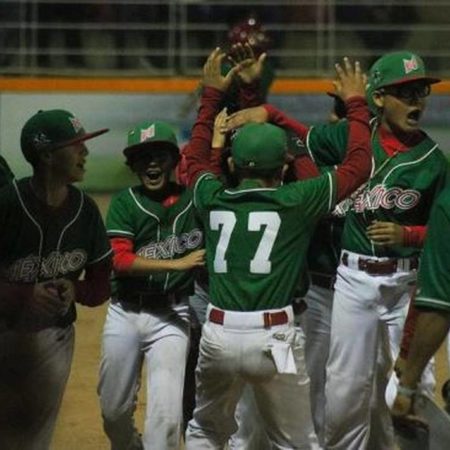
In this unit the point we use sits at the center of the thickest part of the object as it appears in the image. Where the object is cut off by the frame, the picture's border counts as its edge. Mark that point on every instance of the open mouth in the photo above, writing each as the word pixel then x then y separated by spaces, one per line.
pixel 414 116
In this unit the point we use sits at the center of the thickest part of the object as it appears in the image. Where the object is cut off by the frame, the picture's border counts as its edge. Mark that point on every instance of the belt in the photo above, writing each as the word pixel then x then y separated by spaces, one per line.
pixel 269 319
pixel 151 300
pixel 322 280
pixel 380 267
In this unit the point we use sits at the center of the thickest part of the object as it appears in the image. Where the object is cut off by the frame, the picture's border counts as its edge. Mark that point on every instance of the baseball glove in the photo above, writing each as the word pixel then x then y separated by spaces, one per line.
pixel 411 432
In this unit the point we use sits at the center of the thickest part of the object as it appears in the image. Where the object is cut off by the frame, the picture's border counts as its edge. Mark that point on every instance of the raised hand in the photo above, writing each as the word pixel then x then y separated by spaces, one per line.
pixel 219 135
pixel 350 81
pixel 212 71
pixel 257 114
pixel 250 67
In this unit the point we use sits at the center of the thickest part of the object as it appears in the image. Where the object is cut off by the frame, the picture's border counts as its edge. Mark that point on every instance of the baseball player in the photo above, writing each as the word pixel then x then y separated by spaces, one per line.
pixel 432 302
pixel 256 238
pixel 374 279
pixel 6 175
pixel 51 234
pixel 156 242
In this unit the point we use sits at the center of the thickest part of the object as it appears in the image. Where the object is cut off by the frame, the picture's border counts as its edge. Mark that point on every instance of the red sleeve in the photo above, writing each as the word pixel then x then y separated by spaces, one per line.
pixel 279 118
pixel 198 152
pixel 123 254
pixel 250 95
pixel 355 169
pixel 414 236
pixel 95 289
pixel 305 167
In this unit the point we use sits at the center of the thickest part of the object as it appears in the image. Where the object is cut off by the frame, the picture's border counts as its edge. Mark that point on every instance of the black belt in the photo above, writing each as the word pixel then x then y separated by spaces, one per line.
pixel 151 300
pixel 322 280
pixel 385 266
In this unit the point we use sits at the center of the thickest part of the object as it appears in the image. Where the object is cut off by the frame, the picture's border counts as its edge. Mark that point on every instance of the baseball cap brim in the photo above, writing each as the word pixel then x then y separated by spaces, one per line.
pixel 81 138
pixel 430 80
pixel 132 150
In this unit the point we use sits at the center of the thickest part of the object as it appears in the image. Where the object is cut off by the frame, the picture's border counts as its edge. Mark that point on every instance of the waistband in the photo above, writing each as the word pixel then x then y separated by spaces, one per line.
pixel 150 300
pixel 378 266
pixel 250 319
pixel 322 280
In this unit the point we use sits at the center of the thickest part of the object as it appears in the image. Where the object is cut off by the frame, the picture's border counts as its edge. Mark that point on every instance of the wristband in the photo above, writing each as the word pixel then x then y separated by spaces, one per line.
pixel 407 392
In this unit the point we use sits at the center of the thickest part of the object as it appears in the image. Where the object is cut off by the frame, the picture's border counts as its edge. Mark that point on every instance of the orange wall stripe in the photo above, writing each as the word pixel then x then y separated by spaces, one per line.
pixel 160 85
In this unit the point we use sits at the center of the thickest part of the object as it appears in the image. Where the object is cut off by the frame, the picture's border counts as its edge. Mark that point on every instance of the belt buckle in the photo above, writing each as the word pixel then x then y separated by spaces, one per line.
pixel 267 320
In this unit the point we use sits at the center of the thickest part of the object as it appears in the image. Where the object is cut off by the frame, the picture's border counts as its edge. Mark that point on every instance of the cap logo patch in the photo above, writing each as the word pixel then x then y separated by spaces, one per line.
pixel 76 124
pixel 40 141
pixel 410 64
pixel 147 133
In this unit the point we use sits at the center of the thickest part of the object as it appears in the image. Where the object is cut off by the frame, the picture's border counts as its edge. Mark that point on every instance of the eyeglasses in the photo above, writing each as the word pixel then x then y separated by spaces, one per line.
pixel 408 91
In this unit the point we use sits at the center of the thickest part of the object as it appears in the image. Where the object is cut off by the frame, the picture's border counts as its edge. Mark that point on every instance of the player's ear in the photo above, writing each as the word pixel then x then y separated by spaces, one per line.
pixel 231 165
pixel 378 99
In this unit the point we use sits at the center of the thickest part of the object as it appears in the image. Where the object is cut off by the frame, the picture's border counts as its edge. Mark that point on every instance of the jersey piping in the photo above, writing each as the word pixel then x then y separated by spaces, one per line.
pixel 411 162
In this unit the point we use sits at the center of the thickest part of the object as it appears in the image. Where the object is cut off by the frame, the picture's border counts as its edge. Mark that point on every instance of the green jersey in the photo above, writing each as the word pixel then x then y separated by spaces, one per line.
pixel 256 238
pixel 157 232
pixel 434 272
pixel 401 188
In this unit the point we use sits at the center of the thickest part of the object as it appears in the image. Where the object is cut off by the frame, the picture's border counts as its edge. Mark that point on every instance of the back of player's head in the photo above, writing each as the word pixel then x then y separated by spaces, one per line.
pixel 393 69
pixel 259 147
pixel 147 136
pixel 50 130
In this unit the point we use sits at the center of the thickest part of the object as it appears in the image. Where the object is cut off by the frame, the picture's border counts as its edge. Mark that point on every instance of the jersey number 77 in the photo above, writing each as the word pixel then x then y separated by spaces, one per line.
pixel 225 222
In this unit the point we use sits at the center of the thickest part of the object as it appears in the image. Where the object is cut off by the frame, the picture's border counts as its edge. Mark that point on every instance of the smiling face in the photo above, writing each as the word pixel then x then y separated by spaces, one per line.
pixel 154 167
pixel 402 106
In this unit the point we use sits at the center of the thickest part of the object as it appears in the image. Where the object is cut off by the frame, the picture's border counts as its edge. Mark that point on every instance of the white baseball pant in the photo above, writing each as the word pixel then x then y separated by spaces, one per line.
pixel 34 368
pixel 365 309
pixel 242 351
pixel 162 339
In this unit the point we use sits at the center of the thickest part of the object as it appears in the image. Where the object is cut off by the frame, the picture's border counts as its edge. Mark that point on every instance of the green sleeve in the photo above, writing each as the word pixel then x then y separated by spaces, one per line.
pixel 119 219
pixel 205 188
pixel 327 143
pixel 434 274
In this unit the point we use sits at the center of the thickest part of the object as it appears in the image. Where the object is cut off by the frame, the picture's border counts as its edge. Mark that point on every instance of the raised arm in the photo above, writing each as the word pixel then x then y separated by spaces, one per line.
pixel 355 169
pixel 215 84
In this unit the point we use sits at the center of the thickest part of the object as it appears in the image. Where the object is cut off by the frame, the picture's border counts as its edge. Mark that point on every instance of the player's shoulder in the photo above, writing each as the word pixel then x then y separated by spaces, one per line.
pixel 206 186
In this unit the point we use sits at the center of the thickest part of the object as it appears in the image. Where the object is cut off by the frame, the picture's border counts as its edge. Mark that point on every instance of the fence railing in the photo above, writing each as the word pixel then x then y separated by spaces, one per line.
pixel 173 37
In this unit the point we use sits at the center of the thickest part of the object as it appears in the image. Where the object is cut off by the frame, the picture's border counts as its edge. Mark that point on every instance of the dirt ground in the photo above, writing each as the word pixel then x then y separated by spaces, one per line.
pixel 79 425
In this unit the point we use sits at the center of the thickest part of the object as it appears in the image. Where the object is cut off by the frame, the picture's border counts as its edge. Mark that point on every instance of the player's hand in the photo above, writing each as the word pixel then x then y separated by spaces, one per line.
pixel 350 81
pixel 46 301
pixel 257 114
pixel 219 136
pixel 212 71
pixel 66 291
pixel 403 405
pixel 194 259
pixel 250 67
pixel 385 233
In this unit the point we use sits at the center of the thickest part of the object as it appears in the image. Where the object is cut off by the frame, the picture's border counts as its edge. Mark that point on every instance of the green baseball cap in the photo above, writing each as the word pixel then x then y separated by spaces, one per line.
pixel 147 134
pixel 259 146
pixel 396 68
pixel 52 129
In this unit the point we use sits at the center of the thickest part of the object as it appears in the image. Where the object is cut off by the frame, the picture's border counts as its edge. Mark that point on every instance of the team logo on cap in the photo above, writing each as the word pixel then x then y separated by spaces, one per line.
pixel 40 141
pixel 76 124
pixel 410 64
pixel 148 133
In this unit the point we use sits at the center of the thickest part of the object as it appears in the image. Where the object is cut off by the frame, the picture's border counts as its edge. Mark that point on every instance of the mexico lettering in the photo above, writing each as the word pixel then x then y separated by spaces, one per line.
pixel 387 198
